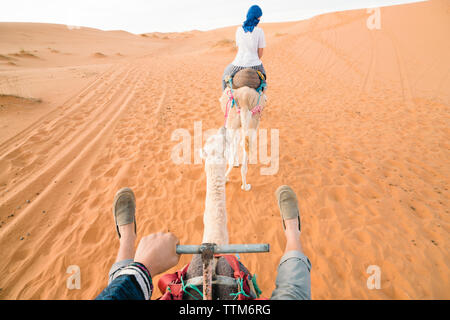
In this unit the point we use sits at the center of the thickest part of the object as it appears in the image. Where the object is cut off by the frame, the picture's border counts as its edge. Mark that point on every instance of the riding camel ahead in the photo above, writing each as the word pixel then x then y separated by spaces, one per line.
pixel 242 103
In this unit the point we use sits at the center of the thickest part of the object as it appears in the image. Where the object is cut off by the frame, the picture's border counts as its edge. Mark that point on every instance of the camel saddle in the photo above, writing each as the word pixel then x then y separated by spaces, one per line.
pixel 248 77
pixel 227 271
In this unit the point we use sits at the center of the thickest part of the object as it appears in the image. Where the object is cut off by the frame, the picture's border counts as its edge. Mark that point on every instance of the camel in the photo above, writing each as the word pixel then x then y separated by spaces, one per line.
pixel 215 223
pixel 215 214
pixel 245 115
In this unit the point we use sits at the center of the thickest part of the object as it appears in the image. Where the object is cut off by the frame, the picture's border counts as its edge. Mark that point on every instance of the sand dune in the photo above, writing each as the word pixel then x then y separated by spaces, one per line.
pixel 363 120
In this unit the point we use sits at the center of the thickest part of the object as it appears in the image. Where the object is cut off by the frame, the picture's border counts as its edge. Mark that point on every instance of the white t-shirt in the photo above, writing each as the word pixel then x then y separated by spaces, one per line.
pixel 248 44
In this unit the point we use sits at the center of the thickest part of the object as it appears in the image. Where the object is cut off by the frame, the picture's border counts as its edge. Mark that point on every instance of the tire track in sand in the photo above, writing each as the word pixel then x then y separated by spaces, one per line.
pixel 52 145
pixel 74 156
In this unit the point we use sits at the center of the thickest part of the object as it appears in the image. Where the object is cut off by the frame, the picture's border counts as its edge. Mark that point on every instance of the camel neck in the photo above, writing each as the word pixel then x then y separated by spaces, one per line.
pixel 215 216
pixel 215 181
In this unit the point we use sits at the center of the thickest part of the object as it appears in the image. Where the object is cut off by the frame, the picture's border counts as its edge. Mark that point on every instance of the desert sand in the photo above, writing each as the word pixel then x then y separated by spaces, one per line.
pixel 363 120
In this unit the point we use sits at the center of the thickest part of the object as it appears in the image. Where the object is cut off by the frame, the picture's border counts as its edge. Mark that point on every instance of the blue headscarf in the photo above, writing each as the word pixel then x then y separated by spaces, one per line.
pixel 252 18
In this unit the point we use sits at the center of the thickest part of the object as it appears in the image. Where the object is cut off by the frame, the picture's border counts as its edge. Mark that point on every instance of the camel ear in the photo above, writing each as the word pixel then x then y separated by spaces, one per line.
pixel 226 140
pixel 222 131
pixel 203 154
pixel 207 151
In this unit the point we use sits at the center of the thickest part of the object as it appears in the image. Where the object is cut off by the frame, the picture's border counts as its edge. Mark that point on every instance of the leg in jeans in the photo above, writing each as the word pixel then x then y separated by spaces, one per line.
pixel 230 70
pixel 293 279
pixel 128 280
pixel 261 69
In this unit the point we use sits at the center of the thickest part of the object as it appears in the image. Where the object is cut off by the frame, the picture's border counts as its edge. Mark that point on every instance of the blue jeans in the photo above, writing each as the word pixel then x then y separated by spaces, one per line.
pixel 127 282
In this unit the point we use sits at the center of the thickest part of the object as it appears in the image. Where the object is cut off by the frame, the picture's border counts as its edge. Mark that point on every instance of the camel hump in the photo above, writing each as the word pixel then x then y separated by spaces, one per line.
pixel 247 77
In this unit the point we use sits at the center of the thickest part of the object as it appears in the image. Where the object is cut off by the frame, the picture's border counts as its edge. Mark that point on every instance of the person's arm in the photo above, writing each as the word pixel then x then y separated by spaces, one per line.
pixel 155 254
pixel 261 44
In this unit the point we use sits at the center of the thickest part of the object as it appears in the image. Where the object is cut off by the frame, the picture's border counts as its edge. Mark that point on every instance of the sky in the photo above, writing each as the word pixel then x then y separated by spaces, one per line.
pixel 140 16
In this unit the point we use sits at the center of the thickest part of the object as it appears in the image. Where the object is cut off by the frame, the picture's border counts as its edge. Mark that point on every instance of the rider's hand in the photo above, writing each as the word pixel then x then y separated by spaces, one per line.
pixel 157 252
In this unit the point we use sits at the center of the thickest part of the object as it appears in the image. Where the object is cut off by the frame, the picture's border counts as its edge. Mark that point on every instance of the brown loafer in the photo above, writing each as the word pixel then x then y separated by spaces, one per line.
pixel 124 208
pixel 288 204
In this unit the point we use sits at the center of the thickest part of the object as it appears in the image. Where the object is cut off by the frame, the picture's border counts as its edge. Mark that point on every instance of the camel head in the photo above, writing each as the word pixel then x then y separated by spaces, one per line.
pixel 214 150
